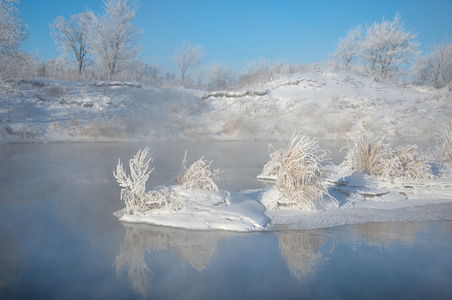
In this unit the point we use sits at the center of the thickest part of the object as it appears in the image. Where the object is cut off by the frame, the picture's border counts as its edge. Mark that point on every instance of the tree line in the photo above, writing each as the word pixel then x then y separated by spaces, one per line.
pixel 106 46
pixel 383 48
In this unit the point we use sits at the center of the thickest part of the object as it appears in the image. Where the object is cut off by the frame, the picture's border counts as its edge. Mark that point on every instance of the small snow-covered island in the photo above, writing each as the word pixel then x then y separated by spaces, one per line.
pixel 375 183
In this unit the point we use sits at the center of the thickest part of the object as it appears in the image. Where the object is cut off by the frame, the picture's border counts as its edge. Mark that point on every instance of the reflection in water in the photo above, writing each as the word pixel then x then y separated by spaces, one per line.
pixel 58 238
pixel 193 247
pixel 300 249
pixel 385 235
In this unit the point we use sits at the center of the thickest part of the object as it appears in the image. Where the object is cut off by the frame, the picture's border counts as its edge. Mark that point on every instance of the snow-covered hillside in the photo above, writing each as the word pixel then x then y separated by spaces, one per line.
pixel 324 105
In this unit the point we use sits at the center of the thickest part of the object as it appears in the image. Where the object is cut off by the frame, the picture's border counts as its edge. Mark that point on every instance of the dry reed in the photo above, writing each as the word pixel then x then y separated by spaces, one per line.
pixel 198 176
pixel 408 163
pixel 375 157
pixel 300 178
pixel 369 154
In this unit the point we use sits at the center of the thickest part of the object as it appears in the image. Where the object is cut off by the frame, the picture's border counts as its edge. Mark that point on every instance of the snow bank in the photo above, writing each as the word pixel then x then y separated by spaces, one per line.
pixel 362 198
pixel 358 198
pixel 206 211
pixel 324 105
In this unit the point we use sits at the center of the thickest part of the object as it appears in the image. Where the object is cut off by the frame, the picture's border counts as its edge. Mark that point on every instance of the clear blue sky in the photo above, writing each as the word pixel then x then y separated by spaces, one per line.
pixel 235 32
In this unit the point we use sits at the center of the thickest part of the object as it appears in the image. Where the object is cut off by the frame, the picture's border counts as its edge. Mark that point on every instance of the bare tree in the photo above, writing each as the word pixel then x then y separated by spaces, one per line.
pixel 436 67
pixel 348 47
pixel 187 57
pixel 220 76
pixel 199 78
pixel 72 37
pixel 12 31
pixel 113 36
pixel 259 71
pixel 387 45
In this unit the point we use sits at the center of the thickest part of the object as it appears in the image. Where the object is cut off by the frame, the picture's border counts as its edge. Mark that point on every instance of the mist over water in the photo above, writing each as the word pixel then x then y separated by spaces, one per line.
pixel 59 239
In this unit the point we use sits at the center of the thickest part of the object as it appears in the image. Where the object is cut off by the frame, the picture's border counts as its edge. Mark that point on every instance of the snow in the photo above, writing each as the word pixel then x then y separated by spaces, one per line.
pixel 328 105
pixel 207 211
pixel 322 104
pixel 360 198
pixel 355 198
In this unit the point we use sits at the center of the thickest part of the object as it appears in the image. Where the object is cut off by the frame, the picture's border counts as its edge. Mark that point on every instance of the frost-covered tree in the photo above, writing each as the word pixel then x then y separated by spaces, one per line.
pixel 22 65
pixel 259 71
pixel 58 68
pixel 220 76
pixel 113 37
pixel 436 67
pixel 146 73
pixel 12 31
pixel 188 56
pixel 348 47
pixel 387 45
pixel 71 36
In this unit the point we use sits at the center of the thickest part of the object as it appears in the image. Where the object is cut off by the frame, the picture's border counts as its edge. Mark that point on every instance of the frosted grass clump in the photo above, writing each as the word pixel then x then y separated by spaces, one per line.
pixel 198 176
pixel 375 157
pixel 368 154
pixel 408 163
pixel 133 191
pixel 299 173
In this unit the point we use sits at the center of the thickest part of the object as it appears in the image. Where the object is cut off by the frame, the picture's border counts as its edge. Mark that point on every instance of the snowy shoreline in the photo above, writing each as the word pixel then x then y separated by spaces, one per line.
pixel 420 210
pixel 427 201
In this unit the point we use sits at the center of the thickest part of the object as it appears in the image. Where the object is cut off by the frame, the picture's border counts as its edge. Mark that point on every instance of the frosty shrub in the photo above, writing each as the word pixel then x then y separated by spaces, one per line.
pixel 138 200
pixel 407 162
pixel 369 154
pixel 198 176
pixel 133 191
pixel 445 148
pixel 373 156
pixel 300 177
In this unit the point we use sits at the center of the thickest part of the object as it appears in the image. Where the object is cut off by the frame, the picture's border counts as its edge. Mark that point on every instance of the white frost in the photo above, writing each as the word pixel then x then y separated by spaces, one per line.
pixel 362 199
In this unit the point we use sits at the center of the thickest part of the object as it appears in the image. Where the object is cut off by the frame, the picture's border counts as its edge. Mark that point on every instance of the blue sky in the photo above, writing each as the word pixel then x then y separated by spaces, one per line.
pixel 236 32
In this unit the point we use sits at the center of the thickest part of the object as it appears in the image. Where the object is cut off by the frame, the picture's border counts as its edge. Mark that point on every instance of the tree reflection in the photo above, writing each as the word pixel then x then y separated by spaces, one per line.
pixel 300 249
pixel 385 235
pixel 195 248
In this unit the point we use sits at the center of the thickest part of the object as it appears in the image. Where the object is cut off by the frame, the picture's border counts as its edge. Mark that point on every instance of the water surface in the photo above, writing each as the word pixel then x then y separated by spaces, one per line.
pixel 59 239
